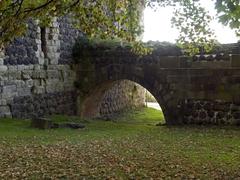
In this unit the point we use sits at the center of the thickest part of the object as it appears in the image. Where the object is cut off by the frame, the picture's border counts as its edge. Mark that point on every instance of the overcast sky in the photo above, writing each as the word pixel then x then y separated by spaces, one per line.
pixel 157 25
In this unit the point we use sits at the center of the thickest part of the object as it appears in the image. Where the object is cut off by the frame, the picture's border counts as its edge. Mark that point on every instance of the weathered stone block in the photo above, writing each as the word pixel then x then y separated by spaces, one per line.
pixel 202 114
pixel 5 111
pixel 26 74
pixel 169 62
pixel 177 79
pixel 39 74
pixel 2 54
pixel 14 74
pixel 51 88
pixel 29 83
pixel 38 89
pixel 9 89
pixel 37 67
pixel 69 86
pixel 41 59
pixel 184 62
pixel 24 91
pixel 3 102
pixel 19 83
pixel 234 107
pixel 60 87
pixel 210 64
pixel 3 68
pixel 29 67
pixel 53 74
pixel 37 82
pixel 235 60
pixel 1 61
pixel 41 123
pixel 236 115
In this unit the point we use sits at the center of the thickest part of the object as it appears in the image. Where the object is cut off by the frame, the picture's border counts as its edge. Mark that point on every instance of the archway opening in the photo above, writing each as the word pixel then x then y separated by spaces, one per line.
pixel 151 102
pixel 109 99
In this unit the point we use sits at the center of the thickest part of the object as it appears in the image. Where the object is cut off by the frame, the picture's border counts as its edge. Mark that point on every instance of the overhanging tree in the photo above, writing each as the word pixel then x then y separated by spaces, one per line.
pixel 118 18
pixel 102 18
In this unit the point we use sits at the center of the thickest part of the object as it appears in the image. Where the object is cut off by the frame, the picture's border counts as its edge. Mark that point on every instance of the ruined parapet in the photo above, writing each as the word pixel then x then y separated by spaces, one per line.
pixel 33 80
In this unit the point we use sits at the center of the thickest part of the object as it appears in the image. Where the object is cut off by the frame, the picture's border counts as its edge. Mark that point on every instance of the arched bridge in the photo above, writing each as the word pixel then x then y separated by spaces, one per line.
pixel 203 90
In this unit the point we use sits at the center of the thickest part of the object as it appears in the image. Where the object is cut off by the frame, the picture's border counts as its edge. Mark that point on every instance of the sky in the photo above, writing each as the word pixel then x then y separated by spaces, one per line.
pixel 157 25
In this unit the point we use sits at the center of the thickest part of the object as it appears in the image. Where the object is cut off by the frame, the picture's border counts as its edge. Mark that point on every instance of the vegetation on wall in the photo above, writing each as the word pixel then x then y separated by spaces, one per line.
pixel 111 18
pixel 85 47
pixel 81 50
pixel 102 18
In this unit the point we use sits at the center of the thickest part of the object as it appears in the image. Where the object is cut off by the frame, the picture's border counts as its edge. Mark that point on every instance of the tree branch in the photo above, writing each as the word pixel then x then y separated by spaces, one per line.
pixel 19 8
pixel 74 4
pixel 39 7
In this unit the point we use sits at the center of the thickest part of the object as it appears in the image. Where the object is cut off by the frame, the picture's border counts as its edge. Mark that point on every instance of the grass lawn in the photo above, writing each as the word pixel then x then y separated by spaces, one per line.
pixel 129 147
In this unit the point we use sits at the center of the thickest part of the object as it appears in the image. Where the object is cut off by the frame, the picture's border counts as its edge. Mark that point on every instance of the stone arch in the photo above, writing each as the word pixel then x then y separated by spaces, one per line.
pixel 90 106
pixel 156 80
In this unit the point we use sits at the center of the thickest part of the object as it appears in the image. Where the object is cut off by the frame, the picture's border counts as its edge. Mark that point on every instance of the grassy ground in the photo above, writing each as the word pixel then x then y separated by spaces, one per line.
pixel 130 147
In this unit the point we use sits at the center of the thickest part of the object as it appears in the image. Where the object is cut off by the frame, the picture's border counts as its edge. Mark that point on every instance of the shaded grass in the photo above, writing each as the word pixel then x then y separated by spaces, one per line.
pixel 130 146
pixel 128 122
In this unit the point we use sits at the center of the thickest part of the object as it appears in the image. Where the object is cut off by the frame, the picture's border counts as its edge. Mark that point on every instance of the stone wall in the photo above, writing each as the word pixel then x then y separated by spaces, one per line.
pixel 38 78
pixel 188 91
pixel 33 81
pixel 122 95
pixel 37 74
pixel 211 112
pixel 68 36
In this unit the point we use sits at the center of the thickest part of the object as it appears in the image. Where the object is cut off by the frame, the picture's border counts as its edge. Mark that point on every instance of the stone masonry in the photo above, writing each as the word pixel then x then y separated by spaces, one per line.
pixel 37 74
pixel 38 77
pixel 33 82
pixel 123 94
pixel 189 91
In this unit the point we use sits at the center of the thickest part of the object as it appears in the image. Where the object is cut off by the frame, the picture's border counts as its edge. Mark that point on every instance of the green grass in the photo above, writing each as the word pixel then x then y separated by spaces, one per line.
pixel 130 146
